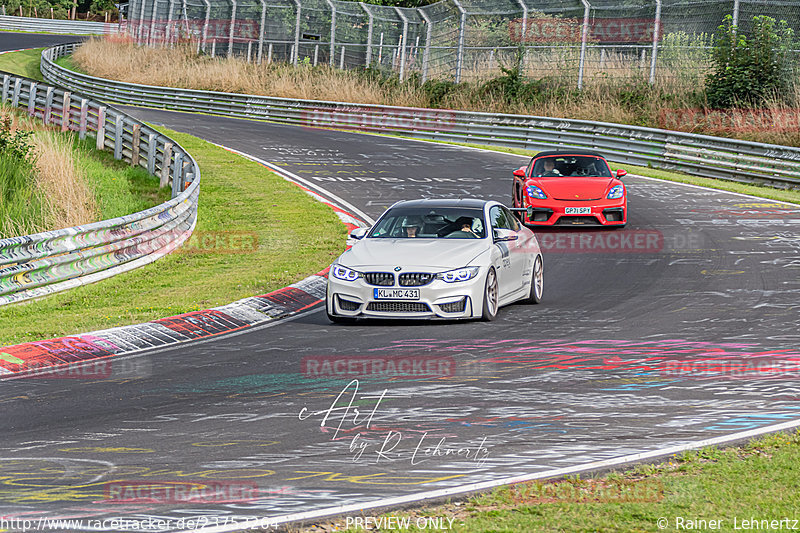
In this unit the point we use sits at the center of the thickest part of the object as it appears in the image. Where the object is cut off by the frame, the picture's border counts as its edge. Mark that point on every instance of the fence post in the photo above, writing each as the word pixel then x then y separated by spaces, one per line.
pixel 370 28
pixel 524 20
pixel 735 14
pixel 332 52
pixel 118 137
pixel 461 32
pixel 66 111
pixel 205 24
pixel 168 29
pixel 656 35
pixel 403 41
pixel 152 32
pixel 261 30
pixel 426 55
pixel 297 33
pixel 141 24
pixel 101 128
pixel 233 25
pixel 584 40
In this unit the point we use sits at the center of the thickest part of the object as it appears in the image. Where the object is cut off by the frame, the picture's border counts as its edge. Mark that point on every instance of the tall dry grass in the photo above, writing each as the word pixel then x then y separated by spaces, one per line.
pixel 615 89
pixel 55 195
pixel 68 200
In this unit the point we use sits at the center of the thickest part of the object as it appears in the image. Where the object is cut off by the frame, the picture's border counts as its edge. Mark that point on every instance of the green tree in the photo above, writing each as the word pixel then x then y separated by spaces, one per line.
pixel 747 70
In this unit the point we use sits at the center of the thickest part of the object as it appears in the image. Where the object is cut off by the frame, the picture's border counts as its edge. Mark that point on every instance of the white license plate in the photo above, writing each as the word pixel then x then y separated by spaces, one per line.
pixel 577 210
pixel 395 294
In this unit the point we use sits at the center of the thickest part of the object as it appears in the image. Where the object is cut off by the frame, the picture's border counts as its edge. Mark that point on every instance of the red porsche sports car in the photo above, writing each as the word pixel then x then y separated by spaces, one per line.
pixel 567 188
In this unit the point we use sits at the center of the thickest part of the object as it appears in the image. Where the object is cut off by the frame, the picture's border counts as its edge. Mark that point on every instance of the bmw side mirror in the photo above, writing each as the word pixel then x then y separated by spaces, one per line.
pixel 358 233
pixel 503 235
pixel 621 173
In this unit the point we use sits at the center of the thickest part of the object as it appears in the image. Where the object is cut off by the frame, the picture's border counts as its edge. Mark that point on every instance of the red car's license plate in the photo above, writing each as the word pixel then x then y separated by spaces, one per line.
pixel 578 210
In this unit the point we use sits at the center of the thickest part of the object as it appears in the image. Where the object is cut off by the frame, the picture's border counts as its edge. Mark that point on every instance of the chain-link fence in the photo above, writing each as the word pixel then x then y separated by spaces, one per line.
pixel 572 41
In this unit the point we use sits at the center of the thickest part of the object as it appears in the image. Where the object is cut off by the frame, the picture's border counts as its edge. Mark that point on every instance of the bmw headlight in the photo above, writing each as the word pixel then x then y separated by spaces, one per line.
pixel 343 273
pixel 459 274
pixel 617 191
pixel 535 192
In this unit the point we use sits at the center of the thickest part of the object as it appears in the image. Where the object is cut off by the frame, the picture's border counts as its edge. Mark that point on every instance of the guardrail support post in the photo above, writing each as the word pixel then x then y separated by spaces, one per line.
pixel 426 55
pixel 17 91
pixel 151 153
pixel 32 99
pixel 118 139
pixel 84 115
pixel 6 85
pixel 101 128
pixel 177 178
pixel 584 40
pixel 461 33
pixel 66 109
pixel 165 164
pixel 656 36
pixel 48 105
pixel 135 148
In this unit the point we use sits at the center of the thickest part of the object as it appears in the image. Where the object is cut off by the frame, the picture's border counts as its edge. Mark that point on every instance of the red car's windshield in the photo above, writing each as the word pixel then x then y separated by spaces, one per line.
pixel 572 165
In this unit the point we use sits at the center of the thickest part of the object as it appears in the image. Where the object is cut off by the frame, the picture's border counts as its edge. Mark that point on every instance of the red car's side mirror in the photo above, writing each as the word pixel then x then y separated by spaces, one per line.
pixel 621 173
pixel 520 172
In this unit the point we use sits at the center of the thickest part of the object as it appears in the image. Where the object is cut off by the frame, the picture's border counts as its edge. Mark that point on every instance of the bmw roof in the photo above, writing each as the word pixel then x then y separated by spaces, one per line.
pixel 443 202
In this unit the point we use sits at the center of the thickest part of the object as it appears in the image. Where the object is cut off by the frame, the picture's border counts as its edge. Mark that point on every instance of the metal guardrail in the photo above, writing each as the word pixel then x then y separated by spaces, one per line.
pixel 701 155
pixel 32 266
pixel 72 27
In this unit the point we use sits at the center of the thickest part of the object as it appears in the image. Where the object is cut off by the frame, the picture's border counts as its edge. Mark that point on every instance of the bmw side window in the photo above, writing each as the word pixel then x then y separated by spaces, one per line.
pixel 499 218
pixel 513 223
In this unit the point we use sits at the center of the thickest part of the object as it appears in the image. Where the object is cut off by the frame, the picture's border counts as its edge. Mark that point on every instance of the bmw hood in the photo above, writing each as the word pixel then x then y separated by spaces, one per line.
pixel 574 188
pixel 441 254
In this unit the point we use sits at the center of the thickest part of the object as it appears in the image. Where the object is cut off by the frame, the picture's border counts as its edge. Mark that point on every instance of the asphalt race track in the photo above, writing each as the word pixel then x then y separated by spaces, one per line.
pixel 679 328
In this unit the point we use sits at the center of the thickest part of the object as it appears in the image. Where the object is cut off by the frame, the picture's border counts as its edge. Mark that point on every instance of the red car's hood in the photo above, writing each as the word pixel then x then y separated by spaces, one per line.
pixel 573 188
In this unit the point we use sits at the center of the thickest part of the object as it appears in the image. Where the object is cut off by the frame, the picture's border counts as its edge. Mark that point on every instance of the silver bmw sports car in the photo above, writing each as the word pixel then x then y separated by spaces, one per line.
pixel 446 259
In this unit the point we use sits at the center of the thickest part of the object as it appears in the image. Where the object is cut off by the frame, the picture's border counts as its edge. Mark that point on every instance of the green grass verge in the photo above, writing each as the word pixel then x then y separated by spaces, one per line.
pixel 792 196
pixel 297 236
pixel 25 63
pixel 755 481
pixel 119 188
pixel 69 64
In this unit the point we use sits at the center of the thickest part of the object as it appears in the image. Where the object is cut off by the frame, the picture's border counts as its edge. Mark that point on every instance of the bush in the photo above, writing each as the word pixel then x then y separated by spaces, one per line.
pixel 749 70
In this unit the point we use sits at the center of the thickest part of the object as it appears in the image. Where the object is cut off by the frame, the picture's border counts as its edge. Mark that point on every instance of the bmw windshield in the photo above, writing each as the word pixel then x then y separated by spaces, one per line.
pixel 430 223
